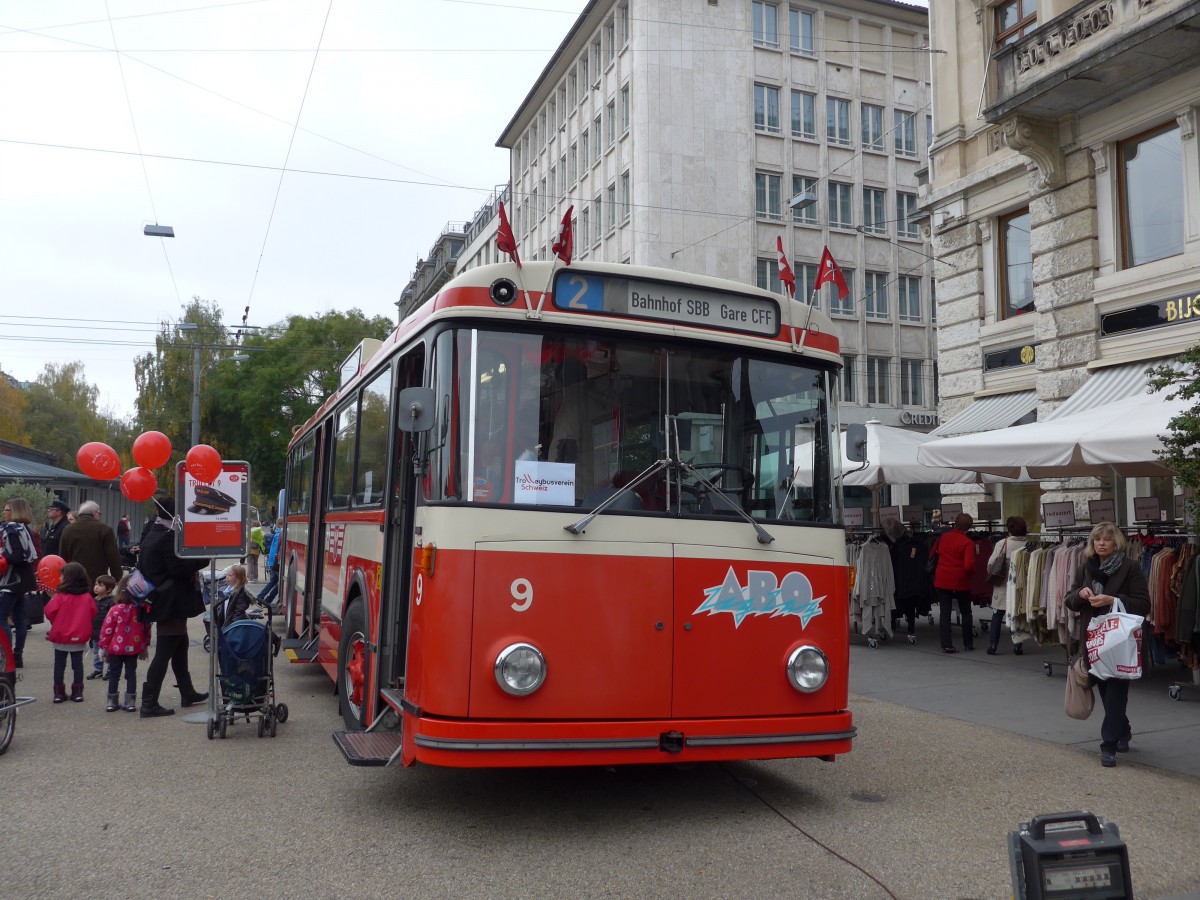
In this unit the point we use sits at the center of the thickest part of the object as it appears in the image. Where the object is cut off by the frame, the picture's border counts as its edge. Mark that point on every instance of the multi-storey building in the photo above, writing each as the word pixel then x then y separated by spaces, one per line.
pixel 680 133
pixel 1064 204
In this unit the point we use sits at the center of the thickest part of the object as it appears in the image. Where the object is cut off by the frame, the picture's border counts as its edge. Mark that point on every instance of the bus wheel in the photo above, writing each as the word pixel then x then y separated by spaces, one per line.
pixel 352 668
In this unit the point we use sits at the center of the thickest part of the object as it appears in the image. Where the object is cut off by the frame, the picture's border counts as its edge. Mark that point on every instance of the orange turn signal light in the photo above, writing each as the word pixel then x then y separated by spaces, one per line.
pixel 426 559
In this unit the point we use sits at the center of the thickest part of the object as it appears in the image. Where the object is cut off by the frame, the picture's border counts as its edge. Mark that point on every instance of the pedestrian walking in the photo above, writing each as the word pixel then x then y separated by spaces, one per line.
pixel 56 521
pixel 91 543
pixel 254 550
pixel 18 579
pixel 102 590
pixel 270 594
pixel 175 599
pixel 1107 574
pixel 70 612
pixel 124 534
pixel 124 639
pixel 952 580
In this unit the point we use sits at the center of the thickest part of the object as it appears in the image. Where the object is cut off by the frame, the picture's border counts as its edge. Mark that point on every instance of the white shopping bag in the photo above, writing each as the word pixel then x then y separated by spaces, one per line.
pixel 1114 644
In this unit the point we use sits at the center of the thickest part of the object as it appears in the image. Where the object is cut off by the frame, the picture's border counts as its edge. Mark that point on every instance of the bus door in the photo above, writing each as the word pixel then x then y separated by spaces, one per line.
pixel 398 535
pixel 314 573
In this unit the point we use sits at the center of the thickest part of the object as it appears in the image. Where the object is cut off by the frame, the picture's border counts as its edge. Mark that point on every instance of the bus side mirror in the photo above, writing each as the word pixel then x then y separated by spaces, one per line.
pixel 416 409
pixel 856 443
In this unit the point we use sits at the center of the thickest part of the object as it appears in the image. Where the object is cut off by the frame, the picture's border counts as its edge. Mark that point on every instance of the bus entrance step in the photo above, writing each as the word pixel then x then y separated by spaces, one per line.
pixel 368 748
pixel 300 650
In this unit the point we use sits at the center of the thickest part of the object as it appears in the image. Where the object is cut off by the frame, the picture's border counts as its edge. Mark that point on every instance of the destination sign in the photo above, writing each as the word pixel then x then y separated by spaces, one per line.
pixel 586 292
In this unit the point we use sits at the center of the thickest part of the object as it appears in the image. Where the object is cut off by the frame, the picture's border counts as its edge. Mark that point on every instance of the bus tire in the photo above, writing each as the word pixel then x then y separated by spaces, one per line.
pixel 8 718
pixel 353 674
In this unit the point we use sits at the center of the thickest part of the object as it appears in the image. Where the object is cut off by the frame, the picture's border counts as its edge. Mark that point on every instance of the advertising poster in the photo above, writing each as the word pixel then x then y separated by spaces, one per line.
pixel 215 515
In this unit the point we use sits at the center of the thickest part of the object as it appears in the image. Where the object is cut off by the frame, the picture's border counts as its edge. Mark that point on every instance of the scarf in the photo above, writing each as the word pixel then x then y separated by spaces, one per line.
pixel 1100 572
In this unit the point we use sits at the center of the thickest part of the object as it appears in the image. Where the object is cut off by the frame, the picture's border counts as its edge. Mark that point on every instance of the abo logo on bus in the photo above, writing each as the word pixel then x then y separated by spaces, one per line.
pixel 762 595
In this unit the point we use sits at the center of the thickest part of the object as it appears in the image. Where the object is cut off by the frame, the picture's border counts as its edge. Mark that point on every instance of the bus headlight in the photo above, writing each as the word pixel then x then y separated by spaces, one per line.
pixel 520 669
pixel 807 669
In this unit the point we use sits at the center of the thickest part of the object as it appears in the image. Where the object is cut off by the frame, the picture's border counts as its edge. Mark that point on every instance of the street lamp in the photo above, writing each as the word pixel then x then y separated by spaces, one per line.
pixel 803 200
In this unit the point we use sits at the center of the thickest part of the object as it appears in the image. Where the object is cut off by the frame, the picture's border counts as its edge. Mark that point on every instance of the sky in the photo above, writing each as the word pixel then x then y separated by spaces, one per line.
pixel 306 152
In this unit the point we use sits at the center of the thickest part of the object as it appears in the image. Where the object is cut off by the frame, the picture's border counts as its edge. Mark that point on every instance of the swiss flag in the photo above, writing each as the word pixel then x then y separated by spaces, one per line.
pixel 830 273
pixel 785 271
pixel 505 242
pixel 565 245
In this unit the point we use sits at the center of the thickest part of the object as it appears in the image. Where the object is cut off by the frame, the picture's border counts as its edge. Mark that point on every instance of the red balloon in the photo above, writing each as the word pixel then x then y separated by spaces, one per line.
pixel 151 449
pixel 99 461
pixel 49 571
pixel 203 463
pixel 139 484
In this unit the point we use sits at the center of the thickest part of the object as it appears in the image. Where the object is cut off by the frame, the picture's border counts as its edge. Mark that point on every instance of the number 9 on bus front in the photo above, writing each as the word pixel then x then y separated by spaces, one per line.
pixel 522 592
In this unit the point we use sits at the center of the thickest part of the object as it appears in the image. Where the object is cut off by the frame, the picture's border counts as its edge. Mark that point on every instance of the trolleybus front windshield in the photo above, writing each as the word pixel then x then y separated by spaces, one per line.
pixel 564 421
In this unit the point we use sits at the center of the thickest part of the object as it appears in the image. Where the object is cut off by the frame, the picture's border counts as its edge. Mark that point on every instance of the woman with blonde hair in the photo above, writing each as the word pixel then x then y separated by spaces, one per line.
pixel 1106 575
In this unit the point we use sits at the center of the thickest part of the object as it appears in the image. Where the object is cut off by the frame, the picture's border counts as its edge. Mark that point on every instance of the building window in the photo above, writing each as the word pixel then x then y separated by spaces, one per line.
pixel 837 121
pixel 808 215
pixel 1016 266
pixel 611 111
pixel 1014 20
pixel 933 312
pixel 806 282
pixel 553 106
pixel 610 39
pixel 877 380
pixel 583 76
pixel 597 218
pixel 623 24
pixel 766 24
pixel 933 379
pixel 597 56
pixel 849 380
pixel 573 87
pixel 768 274
pixel 584 144
pixel 837 305
pixel 874 211
pixel 875 299
pixel 840 215
pixel 545 129
pixel 573 156
pixel 626 199
pixel 766 108
pixel 905 133
pixel 554 191
pixel 906 210
pixel 804 115
pixel 562 104
pixel 611 198
pixel 585 224
pixel 768 202
pixel 597 140
pixel 1150 181
pixel 911 393
pixel 908 293
pixel 800 24
pixel 624 109
pixel 872 127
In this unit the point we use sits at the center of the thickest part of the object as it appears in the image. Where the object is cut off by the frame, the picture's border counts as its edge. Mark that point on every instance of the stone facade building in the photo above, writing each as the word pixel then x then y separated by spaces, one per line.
pixel 1064 206
pixel 679 133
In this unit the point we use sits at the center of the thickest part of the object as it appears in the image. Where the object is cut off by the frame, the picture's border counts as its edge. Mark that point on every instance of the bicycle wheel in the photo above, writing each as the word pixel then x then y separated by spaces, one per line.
pixel 8 718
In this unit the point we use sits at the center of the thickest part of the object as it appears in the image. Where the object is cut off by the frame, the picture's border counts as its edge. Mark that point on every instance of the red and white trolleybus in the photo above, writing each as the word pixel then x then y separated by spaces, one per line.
pixel 578 515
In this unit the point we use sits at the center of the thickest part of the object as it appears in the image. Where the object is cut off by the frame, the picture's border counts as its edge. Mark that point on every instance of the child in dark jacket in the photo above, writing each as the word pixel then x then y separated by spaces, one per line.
pixel 103 590
pixel 123 641
pixel 70 612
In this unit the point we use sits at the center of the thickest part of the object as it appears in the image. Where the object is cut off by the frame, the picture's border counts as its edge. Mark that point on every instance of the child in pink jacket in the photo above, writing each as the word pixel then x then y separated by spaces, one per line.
pixel 123 640
pixel 70 612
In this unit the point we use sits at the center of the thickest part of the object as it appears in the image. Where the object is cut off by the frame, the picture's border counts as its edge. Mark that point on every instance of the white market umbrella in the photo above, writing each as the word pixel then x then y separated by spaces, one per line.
pixel 1119 437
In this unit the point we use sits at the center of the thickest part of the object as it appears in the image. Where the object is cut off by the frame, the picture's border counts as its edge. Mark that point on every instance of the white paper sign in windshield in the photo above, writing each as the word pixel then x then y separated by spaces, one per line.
pixel 586 292
pixel 544 483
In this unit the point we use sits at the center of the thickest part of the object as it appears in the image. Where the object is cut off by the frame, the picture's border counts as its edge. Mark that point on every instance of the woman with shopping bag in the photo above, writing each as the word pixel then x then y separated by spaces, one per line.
pixel 1106 576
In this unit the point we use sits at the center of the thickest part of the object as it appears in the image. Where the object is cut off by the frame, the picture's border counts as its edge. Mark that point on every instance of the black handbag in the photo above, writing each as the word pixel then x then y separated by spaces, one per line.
pixel 35 607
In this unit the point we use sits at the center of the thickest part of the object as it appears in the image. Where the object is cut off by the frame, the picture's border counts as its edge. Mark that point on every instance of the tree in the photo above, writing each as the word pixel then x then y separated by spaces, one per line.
pixel 292 367
pixel 62 412
pixel 13 404
pixel 1181 446
pixel 38 497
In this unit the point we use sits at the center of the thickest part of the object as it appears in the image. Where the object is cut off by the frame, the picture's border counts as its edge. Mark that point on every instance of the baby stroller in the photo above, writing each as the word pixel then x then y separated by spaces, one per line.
pixel 244 676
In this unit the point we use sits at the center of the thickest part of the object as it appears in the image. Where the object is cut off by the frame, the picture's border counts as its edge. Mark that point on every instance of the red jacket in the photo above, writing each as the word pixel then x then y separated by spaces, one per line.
pixel 71 618
pixel 122 634
pixel 956 561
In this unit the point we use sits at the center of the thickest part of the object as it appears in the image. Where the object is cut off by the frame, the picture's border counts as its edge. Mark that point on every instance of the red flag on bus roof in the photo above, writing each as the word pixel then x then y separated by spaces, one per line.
pixel 565 245
pixel 785 271
pixel 830 273
pixel 505 242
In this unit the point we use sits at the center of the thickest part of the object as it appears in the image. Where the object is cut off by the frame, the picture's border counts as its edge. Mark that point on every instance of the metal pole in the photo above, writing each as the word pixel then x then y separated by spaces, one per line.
pixel 195 393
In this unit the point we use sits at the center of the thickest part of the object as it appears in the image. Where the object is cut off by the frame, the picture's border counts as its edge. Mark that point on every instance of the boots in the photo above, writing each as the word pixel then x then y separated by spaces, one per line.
pixel 77 692
pixel 112 703
pixel 150 708
pixel 188 695
pixel 60 693
pixel 130 702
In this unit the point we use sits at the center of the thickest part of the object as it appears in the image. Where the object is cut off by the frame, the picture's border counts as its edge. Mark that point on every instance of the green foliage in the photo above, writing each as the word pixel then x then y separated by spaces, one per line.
pixel 62 414
pixel 38 497
pixel 13 404
pixel 1181 446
